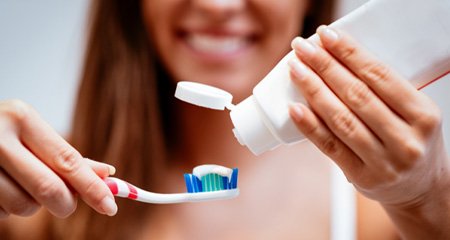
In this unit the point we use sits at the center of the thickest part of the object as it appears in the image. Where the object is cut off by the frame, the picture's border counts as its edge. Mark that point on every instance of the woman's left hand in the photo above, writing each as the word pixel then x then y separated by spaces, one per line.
pixel 383 133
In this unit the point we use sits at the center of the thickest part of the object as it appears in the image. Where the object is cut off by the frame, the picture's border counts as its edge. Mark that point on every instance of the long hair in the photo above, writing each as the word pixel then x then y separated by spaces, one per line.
pixel 118 117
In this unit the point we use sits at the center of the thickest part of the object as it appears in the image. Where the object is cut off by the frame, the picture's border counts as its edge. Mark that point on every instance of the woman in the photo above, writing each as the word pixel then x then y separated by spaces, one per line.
pixel 126 116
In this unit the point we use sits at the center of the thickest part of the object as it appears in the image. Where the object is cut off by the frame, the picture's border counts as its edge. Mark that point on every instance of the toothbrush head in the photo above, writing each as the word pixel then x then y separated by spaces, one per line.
pixel 209 178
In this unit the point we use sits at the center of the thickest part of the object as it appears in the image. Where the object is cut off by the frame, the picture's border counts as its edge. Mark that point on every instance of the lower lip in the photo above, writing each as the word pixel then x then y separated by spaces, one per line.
pixel 216 57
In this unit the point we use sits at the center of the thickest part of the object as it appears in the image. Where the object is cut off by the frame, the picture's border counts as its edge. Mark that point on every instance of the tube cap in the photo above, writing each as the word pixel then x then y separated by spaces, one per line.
pixel 203 95
pixel 250 128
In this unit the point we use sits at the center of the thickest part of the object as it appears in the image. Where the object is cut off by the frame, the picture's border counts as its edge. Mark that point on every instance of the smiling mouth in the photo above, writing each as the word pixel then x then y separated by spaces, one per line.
pixel 217 45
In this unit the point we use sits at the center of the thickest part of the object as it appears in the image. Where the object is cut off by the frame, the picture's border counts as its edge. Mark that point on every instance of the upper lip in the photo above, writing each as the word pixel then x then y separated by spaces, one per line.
pixel 218 31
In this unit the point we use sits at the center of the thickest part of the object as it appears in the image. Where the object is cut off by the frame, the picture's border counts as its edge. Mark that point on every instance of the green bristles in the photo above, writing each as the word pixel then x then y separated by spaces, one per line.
pixel 212 182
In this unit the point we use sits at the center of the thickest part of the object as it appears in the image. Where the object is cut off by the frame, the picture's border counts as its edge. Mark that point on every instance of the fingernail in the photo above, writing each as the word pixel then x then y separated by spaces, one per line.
pixel 111 170
pixel 109 206
pixel 328 33
pixel 303 46
pixel 298 68
pixel 296 112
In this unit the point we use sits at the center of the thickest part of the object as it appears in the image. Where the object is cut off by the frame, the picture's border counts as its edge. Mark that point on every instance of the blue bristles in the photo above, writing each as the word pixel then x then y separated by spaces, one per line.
pixel 188 181
pixel 210 182
pixel 234 179
pixel 193 184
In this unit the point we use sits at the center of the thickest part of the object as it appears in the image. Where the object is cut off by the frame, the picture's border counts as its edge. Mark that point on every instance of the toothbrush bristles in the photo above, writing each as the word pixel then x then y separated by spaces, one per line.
pixel 210 182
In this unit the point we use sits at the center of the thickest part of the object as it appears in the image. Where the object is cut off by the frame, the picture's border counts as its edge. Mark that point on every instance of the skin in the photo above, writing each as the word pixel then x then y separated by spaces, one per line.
pixel 60 173
pixel 266 28
pixel 39 168
pixel 206 137
pixel 258 35
pixel 383 133
pixel 381 163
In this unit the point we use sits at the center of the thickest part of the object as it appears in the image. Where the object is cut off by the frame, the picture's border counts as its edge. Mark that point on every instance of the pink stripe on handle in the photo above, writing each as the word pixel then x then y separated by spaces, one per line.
pixel 112 186
pixel 133 192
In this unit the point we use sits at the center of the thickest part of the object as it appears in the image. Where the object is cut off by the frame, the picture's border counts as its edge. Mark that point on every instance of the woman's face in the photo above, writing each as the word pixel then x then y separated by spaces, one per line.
pixel 231 44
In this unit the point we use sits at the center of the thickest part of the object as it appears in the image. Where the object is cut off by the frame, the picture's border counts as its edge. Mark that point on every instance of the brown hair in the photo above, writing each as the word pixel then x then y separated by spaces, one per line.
pixel 118 117
pixel 320 12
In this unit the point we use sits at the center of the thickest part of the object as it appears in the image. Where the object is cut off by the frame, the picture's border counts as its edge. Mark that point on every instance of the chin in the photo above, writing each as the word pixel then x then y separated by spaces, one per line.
pixel 239 90
pixel 240 87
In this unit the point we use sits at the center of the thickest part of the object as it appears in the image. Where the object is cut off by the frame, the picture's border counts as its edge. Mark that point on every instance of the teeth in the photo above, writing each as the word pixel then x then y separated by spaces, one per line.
pixel 212 44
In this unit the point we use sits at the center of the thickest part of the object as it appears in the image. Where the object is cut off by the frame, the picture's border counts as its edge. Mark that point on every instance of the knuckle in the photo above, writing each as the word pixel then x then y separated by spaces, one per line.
pixel 15 109
pixel 413 151
pixel 329 146
pixel 312 91
pixel 375 73
pixel 364 183
pixel 310 130
pixel 347 52
pixel 429 120
pixel 383 177
pixel 388 174
pixel 344 123
pixel 324 66
pixel 68 160
pixel 358 94
pixel 49 190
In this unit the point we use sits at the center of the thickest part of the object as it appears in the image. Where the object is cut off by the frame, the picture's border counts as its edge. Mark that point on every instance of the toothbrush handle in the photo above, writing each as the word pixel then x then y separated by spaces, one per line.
pixel 123 189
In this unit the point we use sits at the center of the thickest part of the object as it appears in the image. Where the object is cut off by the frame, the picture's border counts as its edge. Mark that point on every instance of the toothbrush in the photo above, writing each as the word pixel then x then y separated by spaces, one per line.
pixel 207 182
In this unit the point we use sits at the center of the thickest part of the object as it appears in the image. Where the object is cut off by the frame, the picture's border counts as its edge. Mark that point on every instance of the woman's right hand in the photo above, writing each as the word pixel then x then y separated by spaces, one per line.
pixel 39 168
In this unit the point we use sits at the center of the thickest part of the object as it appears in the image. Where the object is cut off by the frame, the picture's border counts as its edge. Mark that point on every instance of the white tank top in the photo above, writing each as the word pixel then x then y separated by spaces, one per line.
pixel 343 203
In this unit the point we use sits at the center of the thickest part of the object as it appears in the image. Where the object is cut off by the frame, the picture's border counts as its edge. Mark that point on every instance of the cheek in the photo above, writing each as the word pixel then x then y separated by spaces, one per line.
pixel 157 15
pixel 283 21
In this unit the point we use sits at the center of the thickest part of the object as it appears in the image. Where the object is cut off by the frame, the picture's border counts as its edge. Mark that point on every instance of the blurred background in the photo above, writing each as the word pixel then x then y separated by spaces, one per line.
pixel 41 50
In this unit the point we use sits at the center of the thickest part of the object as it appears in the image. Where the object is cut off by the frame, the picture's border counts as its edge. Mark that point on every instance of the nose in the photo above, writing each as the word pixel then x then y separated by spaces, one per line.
pixel 219 8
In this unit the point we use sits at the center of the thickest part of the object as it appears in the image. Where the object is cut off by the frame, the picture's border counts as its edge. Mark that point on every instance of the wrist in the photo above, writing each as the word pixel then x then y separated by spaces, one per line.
pixel 427 215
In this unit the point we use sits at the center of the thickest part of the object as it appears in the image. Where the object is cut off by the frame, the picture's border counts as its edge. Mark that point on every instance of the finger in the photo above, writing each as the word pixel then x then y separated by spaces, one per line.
pixel 101 169
pixel 398 93
pixel 62 158
pixel 418 110
pixel 47 188
pixel 311 126
pixel 14 200
pixel 338 118
pixel 355 94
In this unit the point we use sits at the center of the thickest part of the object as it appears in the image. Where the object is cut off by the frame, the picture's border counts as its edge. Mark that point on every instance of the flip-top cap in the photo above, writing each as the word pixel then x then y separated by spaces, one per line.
pixel 203 95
